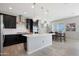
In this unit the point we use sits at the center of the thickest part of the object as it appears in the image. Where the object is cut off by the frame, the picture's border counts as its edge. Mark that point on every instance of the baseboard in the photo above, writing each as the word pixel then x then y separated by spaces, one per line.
pixel 30 52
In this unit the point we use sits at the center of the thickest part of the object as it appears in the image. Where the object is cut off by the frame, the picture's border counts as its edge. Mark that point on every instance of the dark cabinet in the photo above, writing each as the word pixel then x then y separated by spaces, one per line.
pixel 29 24
pixel 14 39
pixel 35 23
pixel 9 21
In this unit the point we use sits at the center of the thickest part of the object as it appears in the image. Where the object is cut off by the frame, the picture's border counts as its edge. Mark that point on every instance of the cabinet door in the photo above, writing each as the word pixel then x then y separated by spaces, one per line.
pixel 10 40
pixel 9 21
pixel 14 39
pixel 29 24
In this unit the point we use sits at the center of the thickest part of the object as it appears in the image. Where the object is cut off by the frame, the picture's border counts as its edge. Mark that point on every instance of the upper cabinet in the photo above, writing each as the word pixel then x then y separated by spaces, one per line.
pixel 9 21
pixel 29 24
pixel 35 23
pixel 32 25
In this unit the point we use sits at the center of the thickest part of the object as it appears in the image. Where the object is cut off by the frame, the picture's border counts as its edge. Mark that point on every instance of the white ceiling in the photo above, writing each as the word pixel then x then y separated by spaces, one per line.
pixel 55 10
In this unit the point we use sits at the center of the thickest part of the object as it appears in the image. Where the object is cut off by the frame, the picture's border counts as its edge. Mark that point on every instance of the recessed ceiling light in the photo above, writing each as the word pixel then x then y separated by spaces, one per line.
pixel 46 12
pixel 25 12
pixel 33 6
pixel 10 8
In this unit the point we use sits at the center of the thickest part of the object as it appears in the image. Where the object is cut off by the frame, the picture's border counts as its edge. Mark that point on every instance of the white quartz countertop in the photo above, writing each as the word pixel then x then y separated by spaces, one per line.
pixel 35 35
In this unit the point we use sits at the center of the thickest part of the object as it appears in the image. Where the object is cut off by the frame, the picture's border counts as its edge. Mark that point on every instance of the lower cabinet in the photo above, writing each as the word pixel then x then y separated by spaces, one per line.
pixel 13 39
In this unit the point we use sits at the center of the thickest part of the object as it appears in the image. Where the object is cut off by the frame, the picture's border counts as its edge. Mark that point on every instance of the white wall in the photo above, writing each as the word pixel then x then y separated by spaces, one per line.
pixel 42 29
pixel 70 34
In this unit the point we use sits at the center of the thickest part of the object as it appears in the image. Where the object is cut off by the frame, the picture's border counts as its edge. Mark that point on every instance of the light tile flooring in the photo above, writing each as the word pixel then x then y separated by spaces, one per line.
pixel 68 48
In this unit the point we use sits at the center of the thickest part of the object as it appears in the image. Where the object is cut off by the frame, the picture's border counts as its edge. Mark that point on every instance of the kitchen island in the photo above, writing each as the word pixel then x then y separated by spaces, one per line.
pixel 36 42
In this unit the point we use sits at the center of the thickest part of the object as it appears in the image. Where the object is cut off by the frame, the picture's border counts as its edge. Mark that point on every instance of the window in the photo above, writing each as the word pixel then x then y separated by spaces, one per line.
pixel 59 27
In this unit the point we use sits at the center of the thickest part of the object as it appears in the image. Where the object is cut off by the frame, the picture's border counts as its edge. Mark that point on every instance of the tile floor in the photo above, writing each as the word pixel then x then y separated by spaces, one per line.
pixel 68 48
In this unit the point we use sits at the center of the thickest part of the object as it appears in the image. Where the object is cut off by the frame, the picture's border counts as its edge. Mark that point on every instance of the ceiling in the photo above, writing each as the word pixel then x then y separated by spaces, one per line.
pixel 43 11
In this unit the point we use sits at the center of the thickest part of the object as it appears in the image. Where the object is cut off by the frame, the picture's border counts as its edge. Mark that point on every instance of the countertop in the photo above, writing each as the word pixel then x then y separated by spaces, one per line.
pixel 35 35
